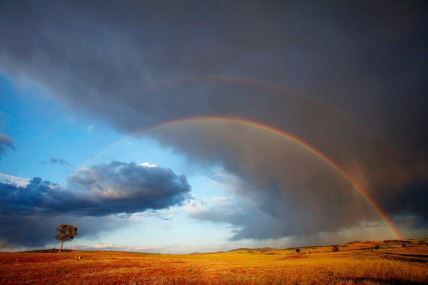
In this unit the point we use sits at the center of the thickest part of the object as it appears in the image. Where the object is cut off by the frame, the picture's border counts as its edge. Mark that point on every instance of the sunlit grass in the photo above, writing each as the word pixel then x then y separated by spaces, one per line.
pixel 356 263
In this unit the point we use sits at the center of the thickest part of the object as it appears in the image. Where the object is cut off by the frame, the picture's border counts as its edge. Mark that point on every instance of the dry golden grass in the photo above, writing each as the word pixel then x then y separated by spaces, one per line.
pixel 356 263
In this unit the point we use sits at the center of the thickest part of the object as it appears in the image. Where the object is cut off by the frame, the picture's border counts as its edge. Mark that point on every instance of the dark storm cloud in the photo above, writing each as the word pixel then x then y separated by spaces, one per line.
pixel 5 142
pixel 347 77
pixel 286 189
pixel 59 161
pixel 411 202
pixel 97 191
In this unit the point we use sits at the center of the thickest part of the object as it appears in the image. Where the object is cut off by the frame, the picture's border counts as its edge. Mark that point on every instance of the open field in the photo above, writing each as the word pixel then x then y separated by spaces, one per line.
pixel 354 263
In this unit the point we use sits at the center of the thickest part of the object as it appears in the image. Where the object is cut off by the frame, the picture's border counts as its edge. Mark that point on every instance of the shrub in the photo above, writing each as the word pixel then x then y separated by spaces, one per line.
pixel 334 248
pixel 297 250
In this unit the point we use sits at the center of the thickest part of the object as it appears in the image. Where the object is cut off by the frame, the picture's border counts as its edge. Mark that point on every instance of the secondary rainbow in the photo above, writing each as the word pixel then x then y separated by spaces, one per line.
pixel 313 101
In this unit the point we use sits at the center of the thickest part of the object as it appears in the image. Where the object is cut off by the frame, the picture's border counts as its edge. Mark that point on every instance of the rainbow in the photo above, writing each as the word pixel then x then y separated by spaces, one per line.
pixel 276 131
pixel 279 132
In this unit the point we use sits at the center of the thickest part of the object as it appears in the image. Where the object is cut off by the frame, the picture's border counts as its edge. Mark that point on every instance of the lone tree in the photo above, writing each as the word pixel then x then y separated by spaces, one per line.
pixel 64 233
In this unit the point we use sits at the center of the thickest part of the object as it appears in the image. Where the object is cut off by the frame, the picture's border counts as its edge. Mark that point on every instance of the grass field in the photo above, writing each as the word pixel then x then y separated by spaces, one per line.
pixel 354 263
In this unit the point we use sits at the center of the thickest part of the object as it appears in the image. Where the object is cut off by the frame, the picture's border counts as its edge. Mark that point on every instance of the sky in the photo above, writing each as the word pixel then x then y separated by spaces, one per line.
pixel 189 126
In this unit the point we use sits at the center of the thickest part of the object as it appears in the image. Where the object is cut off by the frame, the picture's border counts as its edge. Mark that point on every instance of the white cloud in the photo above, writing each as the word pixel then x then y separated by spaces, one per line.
pixel 9 179
pixel 148 164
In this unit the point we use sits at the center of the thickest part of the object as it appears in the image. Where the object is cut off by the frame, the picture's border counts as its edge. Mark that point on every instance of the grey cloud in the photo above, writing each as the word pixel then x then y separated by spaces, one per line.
pixel 102 189
pixel 246 218
pixel 5 142
pixel 128 187
pixel 59 161
pixel 354 74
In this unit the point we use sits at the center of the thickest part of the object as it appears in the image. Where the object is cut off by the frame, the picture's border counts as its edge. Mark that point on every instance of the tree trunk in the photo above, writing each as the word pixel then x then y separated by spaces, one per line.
pixel 60 249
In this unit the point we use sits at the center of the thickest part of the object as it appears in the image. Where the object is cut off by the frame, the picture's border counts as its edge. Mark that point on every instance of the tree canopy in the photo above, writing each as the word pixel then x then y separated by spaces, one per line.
pixel 65 232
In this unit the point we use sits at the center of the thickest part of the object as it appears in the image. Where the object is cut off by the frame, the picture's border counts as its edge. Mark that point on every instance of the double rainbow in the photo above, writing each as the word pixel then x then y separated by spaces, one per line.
pixel 294 139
